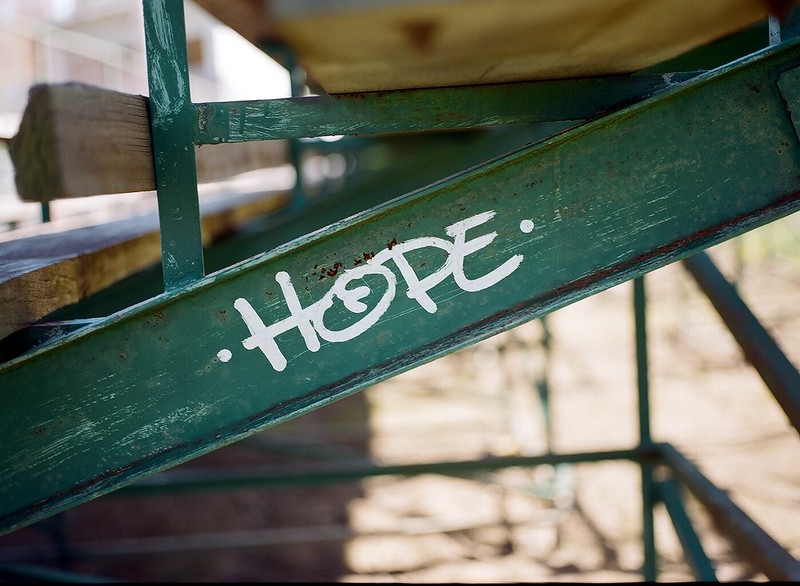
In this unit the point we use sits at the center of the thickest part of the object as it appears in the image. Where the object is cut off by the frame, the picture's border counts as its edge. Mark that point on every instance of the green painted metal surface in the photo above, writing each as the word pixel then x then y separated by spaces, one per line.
pixel 759 347
pixel 425 110
pixel 211 480
pixel 789 84
pixel 650 563
pixel 363 299
pixel 749 539
pixel 172 121
pixel 701 566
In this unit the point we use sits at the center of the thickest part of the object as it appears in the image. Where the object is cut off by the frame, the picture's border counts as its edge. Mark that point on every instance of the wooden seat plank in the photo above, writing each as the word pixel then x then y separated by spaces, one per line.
pixel 42 273
pixel 357 46
pixel 77 140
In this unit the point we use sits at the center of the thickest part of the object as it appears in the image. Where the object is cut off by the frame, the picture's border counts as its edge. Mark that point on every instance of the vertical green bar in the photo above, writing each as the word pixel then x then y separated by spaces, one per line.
pixel 544 383
pixel 650 568
pixel 297 81
pixel 172 121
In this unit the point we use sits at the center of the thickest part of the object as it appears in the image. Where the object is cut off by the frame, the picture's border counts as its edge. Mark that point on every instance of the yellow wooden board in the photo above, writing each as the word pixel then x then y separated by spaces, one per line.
pixel 46 267
pixel 361 45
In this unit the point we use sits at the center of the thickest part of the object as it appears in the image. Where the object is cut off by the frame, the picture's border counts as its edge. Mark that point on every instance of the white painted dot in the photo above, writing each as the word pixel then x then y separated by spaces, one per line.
pixel 224 355
pixel 526 226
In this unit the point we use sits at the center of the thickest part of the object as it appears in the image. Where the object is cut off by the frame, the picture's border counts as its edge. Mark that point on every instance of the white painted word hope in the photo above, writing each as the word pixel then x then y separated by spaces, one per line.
pixel 310 321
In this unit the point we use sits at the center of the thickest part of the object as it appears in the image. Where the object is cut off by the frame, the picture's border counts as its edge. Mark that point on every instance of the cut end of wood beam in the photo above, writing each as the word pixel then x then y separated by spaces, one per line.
pixel 77 140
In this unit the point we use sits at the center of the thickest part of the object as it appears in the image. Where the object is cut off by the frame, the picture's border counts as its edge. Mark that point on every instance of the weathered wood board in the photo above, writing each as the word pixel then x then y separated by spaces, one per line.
pixel 355 46
pixel 40 274
pixel 77 140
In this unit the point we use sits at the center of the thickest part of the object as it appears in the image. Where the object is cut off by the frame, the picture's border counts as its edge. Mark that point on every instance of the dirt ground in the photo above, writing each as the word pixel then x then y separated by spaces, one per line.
pixel 577 523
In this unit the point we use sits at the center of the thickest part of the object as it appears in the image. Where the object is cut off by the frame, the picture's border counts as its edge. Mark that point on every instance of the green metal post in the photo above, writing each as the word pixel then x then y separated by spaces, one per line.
pixel 297 84
pixel 562 478
pixel 423 110
pixel 544 384
pixel 267 477
pixel 650 568
pixel 172 120
pixel 297 80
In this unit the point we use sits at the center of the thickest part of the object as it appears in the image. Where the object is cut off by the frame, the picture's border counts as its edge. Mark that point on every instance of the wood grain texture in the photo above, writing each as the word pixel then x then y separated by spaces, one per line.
pixel 77 140
pixel 40 274
pixel 352 46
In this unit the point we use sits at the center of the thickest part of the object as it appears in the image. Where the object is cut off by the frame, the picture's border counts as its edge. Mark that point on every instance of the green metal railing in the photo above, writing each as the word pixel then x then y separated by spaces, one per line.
pixel 658 216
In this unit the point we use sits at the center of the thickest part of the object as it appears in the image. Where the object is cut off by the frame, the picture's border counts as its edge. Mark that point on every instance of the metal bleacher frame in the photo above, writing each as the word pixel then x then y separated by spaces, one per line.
pixel 737 123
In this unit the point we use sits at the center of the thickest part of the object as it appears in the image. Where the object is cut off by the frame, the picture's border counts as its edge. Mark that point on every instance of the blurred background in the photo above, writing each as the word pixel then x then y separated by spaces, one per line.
pixel 101 43
pixel 566 383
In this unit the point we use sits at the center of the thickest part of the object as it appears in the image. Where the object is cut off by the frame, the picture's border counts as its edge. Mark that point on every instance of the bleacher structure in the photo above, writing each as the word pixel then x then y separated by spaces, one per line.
pixel 572 147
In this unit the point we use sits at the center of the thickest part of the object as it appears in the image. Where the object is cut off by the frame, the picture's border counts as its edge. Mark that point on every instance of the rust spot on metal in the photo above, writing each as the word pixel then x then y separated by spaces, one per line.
pixel 332 272
pixel 158 319
pixel 327 272
pixel 391 244
pixel 368 255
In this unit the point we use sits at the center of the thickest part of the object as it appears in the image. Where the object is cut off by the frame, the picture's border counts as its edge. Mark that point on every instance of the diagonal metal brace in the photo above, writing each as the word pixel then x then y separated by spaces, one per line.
pixel 359 301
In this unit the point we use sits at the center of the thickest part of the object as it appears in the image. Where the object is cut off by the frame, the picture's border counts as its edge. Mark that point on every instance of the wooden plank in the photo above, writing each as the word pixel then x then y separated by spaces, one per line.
pixel 77 140
pixel 356 46
pixel 319 318
pixel 40 274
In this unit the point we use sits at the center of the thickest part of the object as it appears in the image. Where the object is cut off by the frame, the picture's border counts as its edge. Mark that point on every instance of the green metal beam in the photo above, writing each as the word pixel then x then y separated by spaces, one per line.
pixel 750 540
pixel 650 561
pixel 427 109
pixel 759 347
pixel 695 555
pixel 381 292
pixel 193 480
